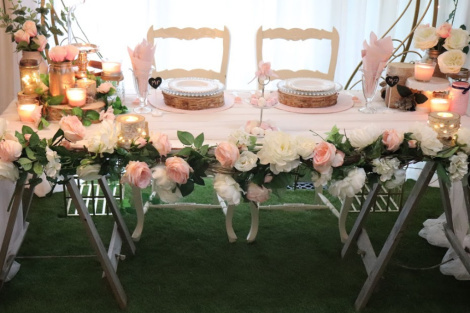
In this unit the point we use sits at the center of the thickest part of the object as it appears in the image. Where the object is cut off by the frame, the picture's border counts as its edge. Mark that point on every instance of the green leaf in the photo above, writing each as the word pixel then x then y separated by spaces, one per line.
pixel 27 130
pixel 34 140
pixel 59 133
pixel 25 162
pixel 204 149
pixel 442 173
pixel 30 153
pixel 45 79
pixel 185 137
pixel 465 49
pixel 55 100
pixel 43 123
pixel 199 140
pixel 86 122
pixel 37 168
pixel 185 151
pixel 77 111
pixel 447 153
pixel 187 188
pixel 92 115
pixel 404 91
pixel 420 98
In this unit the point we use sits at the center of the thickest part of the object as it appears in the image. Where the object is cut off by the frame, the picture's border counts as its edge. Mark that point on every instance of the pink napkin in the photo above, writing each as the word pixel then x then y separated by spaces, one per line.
pixel 141 59
pixel 375 56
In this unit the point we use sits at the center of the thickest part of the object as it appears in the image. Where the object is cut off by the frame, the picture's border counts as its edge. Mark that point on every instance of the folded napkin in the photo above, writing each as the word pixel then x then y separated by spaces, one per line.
pixel 141 59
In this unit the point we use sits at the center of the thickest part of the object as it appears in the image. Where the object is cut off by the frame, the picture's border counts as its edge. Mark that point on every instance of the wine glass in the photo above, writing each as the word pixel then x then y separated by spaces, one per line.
pixel 141 86
pixel 370 82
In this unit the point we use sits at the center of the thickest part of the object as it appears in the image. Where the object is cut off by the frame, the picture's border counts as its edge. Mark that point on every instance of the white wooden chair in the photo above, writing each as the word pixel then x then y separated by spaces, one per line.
pixel 190 34
pixel 297 34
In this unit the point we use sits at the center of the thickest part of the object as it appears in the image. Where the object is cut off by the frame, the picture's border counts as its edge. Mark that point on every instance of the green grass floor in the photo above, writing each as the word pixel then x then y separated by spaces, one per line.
pixel 184 263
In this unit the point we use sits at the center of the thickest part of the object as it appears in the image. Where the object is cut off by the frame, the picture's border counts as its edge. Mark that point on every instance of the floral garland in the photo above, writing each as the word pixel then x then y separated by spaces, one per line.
pixel 244 168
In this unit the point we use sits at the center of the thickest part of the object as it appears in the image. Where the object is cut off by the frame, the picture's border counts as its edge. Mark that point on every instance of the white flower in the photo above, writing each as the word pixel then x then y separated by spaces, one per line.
pixel 53 166
pixel 227 188
pixel 385 167
pixel 427 138
pixel 363 137
pixel 425 37
pixel 321 179
pixel 451 61
pixel 458 39
pixel 241 139
pixel 246 161
pixel 169 196
pixel 350 185
pixel 305 146
pixel 399 177
pixel 458 166
pixel 3 127
pixel 463 139
pixel 108 114
pixel 9 171
pixel 165 188
pixel 105 139
pixel 89 172
pixel 280 152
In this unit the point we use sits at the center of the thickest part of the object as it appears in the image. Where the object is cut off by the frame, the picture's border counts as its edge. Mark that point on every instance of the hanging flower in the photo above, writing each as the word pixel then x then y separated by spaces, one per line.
pixel 89 172
pixel 463 139
pixel 227 188
pixel 350 185
pixel 178 169
pixel 321 179
pixel 72 127
pixel 385 167
pixel 53 165
pixel 9 171
pixel 458 166
pixel 427 139
pixel 399 177
pixel 137 174
pixel 257 193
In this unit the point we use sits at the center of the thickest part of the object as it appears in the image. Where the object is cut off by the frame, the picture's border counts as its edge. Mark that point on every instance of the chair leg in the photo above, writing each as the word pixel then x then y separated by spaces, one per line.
pixel 254 222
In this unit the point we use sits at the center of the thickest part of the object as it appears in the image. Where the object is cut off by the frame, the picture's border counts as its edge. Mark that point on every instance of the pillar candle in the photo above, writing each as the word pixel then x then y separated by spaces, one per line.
pixel 439 105
pixel 424 71
pixel 111 68
pixel 459 96
pixel 27 112
pixel 76 97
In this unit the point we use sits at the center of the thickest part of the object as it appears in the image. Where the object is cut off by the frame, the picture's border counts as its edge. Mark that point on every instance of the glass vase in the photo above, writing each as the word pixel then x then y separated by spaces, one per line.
pixel 61 78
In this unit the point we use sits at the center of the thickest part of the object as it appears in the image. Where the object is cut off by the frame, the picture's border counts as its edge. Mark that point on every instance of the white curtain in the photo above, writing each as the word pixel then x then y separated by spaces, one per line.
pixel 116 24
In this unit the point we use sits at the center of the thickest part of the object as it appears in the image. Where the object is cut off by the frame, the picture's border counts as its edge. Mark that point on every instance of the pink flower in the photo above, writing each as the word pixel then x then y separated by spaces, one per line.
pixel 412 144
pixel 161 143
pixel 268 178
pixel 257 193
pixel 444 30
pixel 27 136
pixel 264 72
pixel 30 28
pixel 178 170
pixel 36 115
pixel 108 114
pixel 72 52
pixel 227 154
pixel 137 174
pixel 140 142
pixel 21 35
pixel 10 150
pixel 66 144
pixel 392 139
pixel 41 41
pixel 325 156
pixel 57 54
pixel 72 127
pixel 105 87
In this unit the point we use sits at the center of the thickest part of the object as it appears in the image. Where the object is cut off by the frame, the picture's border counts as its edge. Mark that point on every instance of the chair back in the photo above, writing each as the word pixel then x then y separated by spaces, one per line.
pixel 296 34
pixel 192 34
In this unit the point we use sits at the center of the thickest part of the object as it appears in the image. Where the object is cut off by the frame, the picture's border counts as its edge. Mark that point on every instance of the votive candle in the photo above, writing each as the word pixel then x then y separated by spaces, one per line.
pixel 76 97
pixel 89 85
pixel 26 111
pixel 439 105
pixel 133 126
pixel 111 68
pixel 424 71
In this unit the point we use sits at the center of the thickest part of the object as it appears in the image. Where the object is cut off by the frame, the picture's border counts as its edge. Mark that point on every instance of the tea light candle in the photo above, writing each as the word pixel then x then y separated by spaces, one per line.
pixel 27 112
pixel 439 104
pixel 89 85
pixel 76 96
pixel 445 124
pixel 111 68
pixel 133 126
pixel 424 71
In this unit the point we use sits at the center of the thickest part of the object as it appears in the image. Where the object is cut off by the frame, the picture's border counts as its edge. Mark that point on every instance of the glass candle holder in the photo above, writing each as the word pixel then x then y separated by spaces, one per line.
pixel 424 71
pixel 61 78
pixel 90 86
pixel 111 68
pixel 28 111
pixel 76 97
pixel 132 126
pixel 439 104
pixel 29 75
pixel 446 125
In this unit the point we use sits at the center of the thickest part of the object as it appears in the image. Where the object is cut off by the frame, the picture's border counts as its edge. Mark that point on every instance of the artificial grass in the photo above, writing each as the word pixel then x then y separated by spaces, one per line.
pixel 184 263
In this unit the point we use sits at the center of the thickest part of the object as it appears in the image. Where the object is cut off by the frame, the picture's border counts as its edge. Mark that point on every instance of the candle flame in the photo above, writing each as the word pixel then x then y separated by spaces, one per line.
pixel 131 118
pixel 445 114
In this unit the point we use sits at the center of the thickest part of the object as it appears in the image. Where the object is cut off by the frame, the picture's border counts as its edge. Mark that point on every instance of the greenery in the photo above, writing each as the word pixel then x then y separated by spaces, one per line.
pixel 184 263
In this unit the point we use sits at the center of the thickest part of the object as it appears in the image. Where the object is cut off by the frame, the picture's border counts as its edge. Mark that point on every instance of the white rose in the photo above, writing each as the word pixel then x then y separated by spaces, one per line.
pixel 458 39
pixel 458 166
pixel 227 188
pixel 385 168
pixel 451 61
pixel 425 37
pixel 350 185
pixel 305 146
pixel 279 151
pixel 427 138
pixel 463 139
pixel 246 161
pixel 363 137
pixel 398 179
pixel 89 172
pixel 105 139
pixel 161 179
pixel 9 171
pixel 321 179
pixel 241 139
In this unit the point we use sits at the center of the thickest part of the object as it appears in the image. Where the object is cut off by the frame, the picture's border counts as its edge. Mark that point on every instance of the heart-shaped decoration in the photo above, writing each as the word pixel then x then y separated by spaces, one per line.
pixel 392 80
pixel 155 82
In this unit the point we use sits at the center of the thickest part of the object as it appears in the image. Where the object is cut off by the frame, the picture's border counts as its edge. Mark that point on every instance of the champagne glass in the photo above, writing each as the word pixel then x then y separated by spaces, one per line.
pixel 141 86
pixel 370 81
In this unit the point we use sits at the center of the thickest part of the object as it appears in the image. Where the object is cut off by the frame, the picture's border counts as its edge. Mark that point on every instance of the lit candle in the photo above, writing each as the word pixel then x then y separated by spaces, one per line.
pixel 424 71
pixel 111 68
pixel 89 85
pixel 76 97
pixel 439 104
pixel 29 74
pixel 27 112
pixel 133 126
pixel 445 124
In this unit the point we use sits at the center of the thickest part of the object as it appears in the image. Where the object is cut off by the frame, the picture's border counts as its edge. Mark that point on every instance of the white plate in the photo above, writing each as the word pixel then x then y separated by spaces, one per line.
pixel 192 85
pixel 310 84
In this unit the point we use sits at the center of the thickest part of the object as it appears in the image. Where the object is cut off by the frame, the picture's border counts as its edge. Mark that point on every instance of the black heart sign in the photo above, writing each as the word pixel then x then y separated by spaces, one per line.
pixel 155 82
pixel 392 80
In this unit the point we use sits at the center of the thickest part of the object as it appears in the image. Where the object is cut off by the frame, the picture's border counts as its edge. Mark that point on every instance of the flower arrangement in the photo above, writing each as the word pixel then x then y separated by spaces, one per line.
pixel 63 53
pixel 451 43
pixel 244 169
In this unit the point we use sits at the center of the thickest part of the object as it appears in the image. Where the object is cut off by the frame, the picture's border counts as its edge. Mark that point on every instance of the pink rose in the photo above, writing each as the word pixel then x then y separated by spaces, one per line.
pixel 392 139
pixel 264 71
pixel 412 144
pixel 66 144
pixel 137 174
pixel 444 30
pixel 161 143
pixel 108 114
pixel 36 115
pixel 21 35
pixel 10 150
pixel 105 87
pixel 178 170
pixel 72 127
pixel 227 154
pixel 41 41
pixel 257 193
pixel 30 28
pixel 140 142
pixel 57 54
pixel 325 156
pixel 72 52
